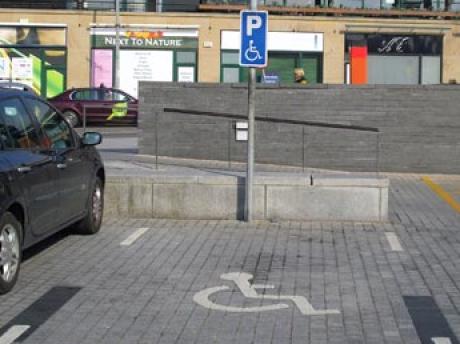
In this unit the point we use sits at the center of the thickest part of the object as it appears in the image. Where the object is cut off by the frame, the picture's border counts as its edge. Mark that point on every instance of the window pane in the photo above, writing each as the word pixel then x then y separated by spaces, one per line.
pixel 310 66
pixel 230 58
pixel 231 75
pixel 52 124
pixel 86 95
pixel 396 70
pixel 283 66
pixel 186 57
pixel 55 57
pixel 79 95
pixel 118 96
pixel 26 35
pixel 431 70
pixel 346 3
pixel 18 130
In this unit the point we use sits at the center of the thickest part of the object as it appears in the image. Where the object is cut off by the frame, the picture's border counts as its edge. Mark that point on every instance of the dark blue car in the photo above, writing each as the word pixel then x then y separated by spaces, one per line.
pixel 50 178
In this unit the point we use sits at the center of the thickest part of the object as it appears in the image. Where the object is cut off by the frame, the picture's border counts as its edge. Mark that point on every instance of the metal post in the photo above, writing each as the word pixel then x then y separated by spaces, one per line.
pixel 156 141
pixel 251 135
pixel 303 149
pixel 84 119
pixel 229 144
pixel 117 43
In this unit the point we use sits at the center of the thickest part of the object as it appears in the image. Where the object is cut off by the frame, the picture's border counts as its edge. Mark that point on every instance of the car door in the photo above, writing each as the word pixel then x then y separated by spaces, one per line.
pixel 88 102
pixel 32 172
pixel 73 169
pixel 130 104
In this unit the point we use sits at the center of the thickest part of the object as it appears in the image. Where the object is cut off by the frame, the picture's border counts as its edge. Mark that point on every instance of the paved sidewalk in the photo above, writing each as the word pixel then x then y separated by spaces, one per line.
pixel 143 291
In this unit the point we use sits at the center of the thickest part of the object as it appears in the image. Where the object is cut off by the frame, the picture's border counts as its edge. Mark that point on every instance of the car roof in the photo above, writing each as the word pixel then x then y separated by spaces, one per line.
pixel 11 92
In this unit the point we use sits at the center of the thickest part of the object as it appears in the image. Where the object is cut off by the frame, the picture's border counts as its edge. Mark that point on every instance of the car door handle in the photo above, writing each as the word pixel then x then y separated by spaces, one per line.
pixel 24 169
pixel 61 166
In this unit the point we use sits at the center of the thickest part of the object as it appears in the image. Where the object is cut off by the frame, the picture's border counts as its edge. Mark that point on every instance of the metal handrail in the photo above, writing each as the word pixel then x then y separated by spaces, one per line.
pixel 275 120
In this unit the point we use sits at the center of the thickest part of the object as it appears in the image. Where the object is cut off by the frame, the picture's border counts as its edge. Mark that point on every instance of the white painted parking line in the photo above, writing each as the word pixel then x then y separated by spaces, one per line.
pixel 394 242
pixel 441 340
pixel 13 333
pixel 133 237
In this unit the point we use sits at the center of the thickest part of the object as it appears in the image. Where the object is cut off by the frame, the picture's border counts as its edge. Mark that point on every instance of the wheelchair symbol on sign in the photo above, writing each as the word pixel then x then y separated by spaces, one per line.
pixel 248 290
pixel 251 53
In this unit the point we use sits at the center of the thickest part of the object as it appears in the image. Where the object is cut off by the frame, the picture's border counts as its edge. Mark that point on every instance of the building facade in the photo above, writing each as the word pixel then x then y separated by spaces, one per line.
pixel 58 49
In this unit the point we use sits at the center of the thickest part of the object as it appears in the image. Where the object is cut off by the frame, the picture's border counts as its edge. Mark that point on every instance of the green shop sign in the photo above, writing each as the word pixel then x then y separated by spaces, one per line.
pixel 102 41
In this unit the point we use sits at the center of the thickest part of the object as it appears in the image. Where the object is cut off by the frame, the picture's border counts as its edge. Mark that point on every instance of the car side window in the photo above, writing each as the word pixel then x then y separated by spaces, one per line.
pixel 119 96
pixel 17 129
pixel 90 94
pixel 53 125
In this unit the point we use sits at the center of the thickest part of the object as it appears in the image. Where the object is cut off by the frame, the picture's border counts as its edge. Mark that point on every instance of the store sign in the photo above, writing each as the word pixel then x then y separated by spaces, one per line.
pixel 396 44
pixel 404 44
pixel 145 40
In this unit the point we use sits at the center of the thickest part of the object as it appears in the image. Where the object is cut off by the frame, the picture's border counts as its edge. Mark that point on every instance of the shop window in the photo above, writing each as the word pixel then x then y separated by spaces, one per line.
pixel 396 59
pixel 397 70
pixel 35 56
pixel 186 57
pixel 280 65
pixel 431 70
pixel 185 66
pixel 150 55
pixel 231 74
pixel 230 58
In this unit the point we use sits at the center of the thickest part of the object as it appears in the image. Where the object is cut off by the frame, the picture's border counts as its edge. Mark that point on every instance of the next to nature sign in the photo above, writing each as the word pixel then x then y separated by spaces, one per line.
pixel 144 40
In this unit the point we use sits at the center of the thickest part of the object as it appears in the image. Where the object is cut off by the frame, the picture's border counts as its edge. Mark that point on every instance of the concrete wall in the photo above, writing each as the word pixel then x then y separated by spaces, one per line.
pixel 420 126
pixel 299 198
pixel 211 25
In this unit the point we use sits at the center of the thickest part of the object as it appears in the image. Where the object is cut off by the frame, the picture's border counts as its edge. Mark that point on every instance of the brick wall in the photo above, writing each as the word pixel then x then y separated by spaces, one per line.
pixel 419 126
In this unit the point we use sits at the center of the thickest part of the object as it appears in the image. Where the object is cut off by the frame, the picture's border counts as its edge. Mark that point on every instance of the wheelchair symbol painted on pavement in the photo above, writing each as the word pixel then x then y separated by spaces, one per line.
pixel 251 53
pixel 241 279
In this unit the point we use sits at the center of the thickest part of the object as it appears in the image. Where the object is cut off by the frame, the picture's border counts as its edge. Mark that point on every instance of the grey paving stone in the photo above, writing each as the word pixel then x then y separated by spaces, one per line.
pixel 144 293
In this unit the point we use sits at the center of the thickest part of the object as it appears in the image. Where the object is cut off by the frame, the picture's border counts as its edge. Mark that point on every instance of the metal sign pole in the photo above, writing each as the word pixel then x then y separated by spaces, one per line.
pixel 251 135
pixel 117 43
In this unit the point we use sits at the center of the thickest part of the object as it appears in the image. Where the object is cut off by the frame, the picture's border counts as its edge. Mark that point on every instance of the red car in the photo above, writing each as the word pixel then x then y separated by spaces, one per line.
pixel 102 106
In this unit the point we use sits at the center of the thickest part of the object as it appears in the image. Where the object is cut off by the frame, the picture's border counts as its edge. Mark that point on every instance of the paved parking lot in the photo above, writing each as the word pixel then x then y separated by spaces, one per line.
pixel 162 281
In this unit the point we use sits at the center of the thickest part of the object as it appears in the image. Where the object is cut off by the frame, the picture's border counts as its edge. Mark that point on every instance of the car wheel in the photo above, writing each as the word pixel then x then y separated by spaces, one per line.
pixel 72 118
pixel 10 251
pixel 93 219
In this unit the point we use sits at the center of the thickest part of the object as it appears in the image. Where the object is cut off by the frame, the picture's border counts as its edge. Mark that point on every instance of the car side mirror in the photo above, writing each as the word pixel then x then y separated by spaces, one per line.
pixel 91 139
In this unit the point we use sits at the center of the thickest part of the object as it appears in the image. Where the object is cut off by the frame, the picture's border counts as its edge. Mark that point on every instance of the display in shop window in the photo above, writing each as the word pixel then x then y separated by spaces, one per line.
pixel 35 56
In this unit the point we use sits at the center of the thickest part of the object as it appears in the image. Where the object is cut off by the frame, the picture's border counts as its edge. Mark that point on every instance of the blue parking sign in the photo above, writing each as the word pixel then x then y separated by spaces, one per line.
pixel 254 29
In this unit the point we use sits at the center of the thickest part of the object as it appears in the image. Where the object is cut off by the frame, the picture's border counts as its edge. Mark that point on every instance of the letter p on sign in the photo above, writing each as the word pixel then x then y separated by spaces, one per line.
pixel 253 23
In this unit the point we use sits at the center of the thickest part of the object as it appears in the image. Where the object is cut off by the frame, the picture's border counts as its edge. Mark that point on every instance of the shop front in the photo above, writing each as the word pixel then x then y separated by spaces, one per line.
pixel 393 59
pixel 35 55
pixel 286 52
pixel 146 54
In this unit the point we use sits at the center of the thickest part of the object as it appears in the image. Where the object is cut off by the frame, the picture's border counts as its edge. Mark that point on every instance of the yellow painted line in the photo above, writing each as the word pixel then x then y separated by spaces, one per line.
pixel 443 194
